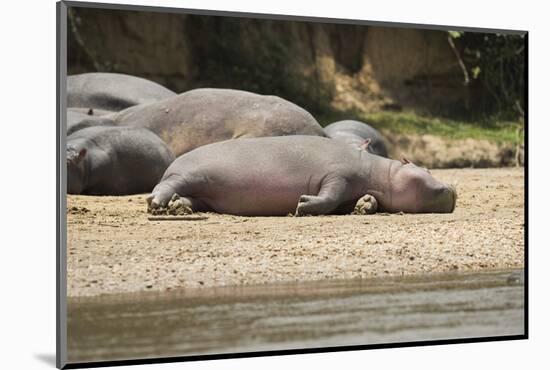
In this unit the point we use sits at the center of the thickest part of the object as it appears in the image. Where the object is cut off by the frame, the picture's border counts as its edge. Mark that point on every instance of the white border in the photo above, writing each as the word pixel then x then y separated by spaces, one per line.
pixel 28 178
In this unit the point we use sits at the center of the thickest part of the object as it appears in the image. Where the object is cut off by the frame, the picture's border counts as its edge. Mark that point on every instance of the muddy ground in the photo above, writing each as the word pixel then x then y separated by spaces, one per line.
pixel 114 248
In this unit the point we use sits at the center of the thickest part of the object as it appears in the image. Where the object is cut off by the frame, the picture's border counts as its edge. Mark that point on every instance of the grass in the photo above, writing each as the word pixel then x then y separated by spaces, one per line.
pixel 412 123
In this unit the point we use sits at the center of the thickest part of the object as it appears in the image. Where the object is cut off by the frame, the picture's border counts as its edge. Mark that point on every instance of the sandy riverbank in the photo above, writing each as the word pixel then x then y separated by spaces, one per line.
pixel 113 248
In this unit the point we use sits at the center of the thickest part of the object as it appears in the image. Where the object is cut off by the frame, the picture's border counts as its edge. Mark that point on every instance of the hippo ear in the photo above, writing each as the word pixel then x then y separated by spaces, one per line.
pixel 79 157
pixel 74 158
pixel 365 145
pixel 82 154
pixel 405 160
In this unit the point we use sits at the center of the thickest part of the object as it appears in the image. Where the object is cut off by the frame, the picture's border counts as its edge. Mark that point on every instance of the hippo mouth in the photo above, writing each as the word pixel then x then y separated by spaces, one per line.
pixel 454 195
pixel 443 202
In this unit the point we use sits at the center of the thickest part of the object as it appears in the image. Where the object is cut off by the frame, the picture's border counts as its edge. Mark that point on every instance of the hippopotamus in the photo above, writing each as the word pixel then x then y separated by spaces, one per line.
pixel 359 135
pixel 112 91
pixel 115 160
pixel 79 118
pixel 203 116
pixel 304 175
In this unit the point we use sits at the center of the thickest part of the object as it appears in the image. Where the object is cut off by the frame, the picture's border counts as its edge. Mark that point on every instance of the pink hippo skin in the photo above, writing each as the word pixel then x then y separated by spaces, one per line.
pixel 305 175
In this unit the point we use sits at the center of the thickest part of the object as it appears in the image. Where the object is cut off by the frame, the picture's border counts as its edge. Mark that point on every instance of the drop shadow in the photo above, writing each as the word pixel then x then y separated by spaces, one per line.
pixel 47 358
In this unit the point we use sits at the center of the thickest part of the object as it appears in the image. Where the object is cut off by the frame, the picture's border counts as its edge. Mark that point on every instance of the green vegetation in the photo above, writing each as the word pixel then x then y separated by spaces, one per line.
pixel 494 64
pixel 468 85
pixel 412 123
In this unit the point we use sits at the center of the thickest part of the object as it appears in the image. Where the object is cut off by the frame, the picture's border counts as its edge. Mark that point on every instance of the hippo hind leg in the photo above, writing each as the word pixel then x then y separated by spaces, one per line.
pixel 177 205
pixel 158 199
pixel 184 205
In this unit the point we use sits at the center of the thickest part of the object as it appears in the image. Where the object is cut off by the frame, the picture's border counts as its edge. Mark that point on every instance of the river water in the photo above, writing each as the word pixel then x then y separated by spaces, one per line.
pixel 295 316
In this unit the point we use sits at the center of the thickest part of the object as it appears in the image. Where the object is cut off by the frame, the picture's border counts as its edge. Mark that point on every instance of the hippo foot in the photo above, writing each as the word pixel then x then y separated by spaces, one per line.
pixel 176 207
pixel 312 205
pixel 366 205
pixel 304 205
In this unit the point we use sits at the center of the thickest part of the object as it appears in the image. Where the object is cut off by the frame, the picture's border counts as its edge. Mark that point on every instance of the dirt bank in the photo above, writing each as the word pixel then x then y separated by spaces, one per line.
pixel 114 248
pixel 439 152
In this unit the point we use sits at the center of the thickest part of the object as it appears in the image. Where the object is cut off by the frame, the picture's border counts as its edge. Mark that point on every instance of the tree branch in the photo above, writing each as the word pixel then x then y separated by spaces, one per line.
pixel 459 59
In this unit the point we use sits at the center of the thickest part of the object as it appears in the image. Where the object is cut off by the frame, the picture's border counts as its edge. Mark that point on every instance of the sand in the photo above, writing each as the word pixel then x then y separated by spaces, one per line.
pixel 114 248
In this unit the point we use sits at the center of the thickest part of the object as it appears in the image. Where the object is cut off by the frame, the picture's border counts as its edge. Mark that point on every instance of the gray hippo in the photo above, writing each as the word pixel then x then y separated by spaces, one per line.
pixel 115 161
pixel 112 91
pixel 79 118
pixel 203 116
pixel 296 174
pixel 358 134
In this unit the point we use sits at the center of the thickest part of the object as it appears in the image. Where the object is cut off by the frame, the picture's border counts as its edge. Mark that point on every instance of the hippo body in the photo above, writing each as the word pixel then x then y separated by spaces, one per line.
pixel 355 133
pixel 79 118
pixel 303 174
pixel 112 91
pixel 115 161
pixel 203 116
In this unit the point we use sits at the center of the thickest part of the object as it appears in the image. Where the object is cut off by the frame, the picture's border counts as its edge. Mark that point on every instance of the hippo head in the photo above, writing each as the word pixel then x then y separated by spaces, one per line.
pixel 75 170
pixel 415 190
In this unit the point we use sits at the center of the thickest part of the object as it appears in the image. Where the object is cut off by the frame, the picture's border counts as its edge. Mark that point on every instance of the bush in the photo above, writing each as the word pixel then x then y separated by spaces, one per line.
pixel 493 66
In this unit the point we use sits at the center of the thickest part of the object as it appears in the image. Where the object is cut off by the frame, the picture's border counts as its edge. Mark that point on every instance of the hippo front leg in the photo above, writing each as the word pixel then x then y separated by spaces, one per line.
pixel 366 205
pixel 329 198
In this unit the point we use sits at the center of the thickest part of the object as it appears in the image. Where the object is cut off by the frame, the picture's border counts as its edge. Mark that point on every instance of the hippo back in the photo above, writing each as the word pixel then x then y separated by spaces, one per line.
pixel 78 119
pixel 112 91
pixel 203 116
pixel 115 160
pixel 355 133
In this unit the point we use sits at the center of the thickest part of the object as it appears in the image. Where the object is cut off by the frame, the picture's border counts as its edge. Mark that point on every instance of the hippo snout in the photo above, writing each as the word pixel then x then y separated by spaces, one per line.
pixel 443 200
pixel 454 195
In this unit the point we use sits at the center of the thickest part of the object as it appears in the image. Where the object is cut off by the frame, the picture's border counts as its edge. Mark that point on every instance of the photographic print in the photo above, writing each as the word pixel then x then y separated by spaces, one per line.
pixel 237 184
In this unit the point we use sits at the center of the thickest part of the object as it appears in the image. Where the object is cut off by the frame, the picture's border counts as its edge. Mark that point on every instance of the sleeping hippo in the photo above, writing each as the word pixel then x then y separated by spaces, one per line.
pixel 79 118
pixel 115 161
pixel 112 91
pixel 305 175
pixel 203 116
pixel 359 135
